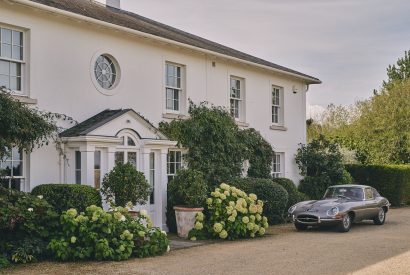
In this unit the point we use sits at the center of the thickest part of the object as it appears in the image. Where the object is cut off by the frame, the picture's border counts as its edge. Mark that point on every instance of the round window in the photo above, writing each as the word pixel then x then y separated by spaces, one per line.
pixel 105 71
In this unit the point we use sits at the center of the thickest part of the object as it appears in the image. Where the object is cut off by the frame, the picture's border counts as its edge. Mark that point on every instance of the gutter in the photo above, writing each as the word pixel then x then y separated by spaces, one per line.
pixel 157 38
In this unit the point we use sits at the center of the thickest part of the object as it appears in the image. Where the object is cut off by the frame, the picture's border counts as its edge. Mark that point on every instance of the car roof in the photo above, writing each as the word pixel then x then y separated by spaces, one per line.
pixel 351 185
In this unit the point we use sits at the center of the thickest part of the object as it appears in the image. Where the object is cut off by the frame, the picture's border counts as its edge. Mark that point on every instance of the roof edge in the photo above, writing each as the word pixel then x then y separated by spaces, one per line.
pixel 306 78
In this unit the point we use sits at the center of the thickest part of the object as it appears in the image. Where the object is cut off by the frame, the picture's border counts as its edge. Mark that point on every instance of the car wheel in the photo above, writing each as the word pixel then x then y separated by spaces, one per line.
pixel 345 224
pixel 380 218
pixel 300 226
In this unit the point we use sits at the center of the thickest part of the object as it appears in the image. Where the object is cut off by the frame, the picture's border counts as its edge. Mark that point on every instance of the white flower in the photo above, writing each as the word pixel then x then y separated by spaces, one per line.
pixel 122 218
pixel 163 232
pixel 30 209
pixel 168 248
pixel 144 213
pixel 40 197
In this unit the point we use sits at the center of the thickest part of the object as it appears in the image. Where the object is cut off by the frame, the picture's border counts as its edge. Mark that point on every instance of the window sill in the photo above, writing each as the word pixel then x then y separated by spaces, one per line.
pixel 24 99
pixel 242 124
pixel 174 116
pixel 278 127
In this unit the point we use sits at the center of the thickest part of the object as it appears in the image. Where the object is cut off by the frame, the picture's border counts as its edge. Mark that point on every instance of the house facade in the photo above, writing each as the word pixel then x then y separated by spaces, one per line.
pixel 118 75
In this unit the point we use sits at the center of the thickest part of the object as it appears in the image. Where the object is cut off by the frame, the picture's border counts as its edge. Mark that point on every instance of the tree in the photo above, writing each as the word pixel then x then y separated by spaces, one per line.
pixel 399 71
pixel 321 163
pixel 22 126
pixel 216 146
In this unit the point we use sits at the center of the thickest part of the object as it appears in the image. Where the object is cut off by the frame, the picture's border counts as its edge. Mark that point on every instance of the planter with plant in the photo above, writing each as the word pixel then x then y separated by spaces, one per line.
pixel 188 192
pixel 125 185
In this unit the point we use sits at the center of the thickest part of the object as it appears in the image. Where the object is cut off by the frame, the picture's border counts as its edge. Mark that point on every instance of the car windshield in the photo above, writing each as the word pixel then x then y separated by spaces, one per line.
pixel 353 193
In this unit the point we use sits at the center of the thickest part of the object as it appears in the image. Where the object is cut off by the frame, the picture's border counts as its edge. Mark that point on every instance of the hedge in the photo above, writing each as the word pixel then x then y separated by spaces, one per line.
pixel 294 196
pixel 392 181
pixel 274 196
pixel 66 196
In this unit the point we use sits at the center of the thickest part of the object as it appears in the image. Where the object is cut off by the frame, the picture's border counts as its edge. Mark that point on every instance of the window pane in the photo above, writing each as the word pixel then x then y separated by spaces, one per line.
pixel 130 141
pixel 132 158
pixel 4 81
pixel 77 160
pixel 4 67
pixel 15 69
pixel 15 83
pixel 17 53
pixel 6 167
pixel 176 100
pixel 97 160
pixel 152 176
pixel 17 169
pixel 17 38
pixel 6 50
pixel 178 156
pixel 6 36
pixel 119 157
pixel 16 154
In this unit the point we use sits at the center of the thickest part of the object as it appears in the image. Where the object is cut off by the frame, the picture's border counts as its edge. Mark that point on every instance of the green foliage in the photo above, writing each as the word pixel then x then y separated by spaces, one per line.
pixel 26 224
pixel 125 184
pixel 188 188
pixel 216 146
pixel 321 163
pixel 294 196
pixel 273 195
pixel 24 127
pixel 259 153
pixel 66 196
pixel 399 71
pixel 97 234
pixel 231 214
pixel 392 181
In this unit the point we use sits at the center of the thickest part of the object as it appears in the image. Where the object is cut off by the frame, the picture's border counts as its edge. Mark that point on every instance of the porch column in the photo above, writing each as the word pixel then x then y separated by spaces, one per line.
pixel 163 182
pixel 87 165
pixel 110 159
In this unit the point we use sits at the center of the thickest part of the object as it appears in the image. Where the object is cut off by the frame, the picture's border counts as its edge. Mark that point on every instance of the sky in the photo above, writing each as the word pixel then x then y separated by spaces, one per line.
pixel 347 44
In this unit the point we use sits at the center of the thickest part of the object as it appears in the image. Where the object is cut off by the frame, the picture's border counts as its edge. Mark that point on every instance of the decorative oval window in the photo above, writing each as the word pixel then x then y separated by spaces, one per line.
pixel 105 71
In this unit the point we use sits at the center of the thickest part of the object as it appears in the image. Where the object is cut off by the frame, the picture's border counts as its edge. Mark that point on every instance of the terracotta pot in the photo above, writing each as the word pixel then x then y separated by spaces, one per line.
pixel 185 217
pixel 134 214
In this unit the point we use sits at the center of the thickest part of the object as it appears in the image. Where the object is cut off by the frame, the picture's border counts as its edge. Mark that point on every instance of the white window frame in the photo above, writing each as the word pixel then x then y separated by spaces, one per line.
pixel 179 90
pixel 233 99
pixel 174 163
pixel 22 178
pixel 277 105
pixel 21 62
pixel 278 165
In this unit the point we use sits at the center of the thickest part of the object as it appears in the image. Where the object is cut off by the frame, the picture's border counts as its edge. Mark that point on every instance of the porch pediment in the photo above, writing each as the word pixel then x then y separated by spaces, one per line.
pixel 109 123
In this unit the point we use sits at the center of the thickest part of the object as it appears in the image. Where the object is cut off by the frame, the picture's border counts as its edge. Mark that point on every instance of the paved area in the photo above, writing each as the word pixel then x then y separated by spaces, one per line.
pixel 366 249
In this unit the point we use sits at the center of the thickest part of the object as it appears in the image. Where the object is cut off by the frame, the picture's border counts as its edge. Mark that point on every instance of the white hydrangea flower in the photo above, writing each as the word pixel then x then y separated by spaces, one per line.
pixel 40 197
pixel 168 248
pixel 144 213
pixel 30 209
pixel 122 219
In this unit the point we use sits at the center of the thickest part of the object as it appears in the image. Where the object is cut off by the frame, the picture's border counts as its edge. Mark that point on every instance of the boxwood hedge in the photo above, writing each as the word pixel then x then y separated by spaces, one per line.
pixel 274 196
pixel 294 196
pixel 66 196
pixel 392 181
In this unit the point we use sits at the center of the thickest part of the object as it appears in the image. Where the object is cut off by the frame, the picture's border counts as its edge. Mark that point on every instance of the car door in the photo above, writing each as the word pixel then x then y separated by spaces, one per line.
pixel 371 204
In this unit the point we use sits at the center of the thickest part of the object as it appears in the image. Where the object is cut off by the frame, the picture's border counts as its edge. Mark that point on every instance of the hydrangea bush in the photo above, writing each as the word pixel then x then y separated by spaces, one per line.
pixel 102 235
pixel 231 214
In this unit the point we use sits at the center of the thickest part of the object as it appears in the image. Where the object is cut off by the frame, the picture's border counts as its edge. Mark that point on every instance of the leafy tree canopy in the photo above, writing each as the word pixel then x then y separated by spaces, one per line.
pixel 216 146
pixel 399 71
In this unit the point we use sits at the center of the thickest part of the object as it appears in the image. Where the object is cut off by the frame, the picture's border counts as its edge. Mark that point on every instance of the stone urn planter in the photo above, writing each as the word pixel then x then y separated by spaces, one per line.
pixel 185 217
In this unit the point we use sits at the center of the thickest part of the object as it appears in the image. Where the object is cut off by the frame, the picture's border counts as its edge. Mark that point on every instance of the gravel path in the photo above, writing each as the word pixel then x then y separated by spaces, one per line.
pixel 366 249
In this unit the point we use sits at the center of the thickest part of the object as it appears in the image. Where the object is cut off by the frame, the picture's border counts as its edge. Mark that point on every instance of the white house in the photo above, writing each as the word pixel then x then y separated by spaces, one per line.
pixel 119 74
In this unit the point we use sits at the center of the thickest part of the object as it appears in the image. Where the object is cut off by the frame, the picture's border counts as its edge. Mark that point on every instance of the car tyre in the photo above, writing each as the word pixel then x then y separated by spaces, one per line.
pixel 345 224
pixel 300 226
pixel 381 217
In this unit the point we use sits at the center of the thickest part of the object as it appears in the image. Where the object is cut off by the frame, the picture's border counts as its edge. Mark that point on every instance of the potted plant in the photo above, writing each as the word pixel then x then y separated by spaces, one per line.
pixel 188 192
pixel 125 186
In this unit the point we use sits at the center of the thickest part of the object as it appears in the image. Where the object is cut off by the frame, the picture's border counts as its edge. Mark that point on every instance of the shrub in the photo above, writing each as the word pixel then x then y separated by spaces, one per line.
pixel 274 196
pixel 321 163
pixel 66 196
pixel 26 225
pixel 294 196
pixel 231 214
pixel 97 234
pixel 187 188
pixel 392 181
pixel 125 184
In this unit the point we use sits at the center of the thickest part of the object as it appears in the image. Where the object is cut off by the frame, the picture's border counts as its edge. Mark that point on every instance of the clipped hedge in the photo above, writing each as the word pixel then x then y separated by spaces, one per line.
pixel 272 194
pixel 392 181
pixel 66 196
pixel 294 196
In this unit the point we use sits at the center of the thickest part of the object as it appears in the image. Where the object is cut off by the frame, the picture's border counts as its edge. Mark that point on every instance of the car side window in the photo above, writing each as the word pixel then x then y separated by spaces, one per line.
pixel 368 194
pixel 375 193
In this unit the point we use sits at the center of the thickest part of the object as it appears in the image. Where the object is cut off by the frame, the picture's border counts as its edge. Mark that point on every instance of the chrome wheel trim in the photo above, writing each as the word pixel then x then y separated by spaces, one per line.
pixel 381 215
pixel 346 221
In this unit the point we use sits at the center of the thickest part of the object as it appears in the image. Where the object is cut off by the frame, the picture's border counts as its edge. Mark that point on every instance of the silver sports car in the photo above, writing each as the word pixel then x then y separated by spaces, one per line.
pixel 341 206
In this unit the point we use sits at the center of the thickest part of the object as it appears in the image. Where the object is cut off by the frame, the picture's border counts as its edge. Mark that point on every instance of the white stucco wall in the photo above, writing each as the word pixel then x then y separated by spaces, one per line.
pixel 59 52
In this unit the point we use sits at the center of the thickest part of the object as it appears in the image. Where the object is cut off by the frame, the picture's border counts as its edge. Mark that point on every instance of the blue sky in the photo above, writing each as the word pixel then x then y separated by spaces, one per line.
pixel 348 44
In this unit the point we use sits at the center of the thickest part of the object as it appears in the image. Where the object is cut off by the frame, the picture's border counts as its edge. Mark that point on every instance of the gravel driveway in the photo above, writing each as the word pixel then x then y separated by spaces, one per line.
pixel 366 249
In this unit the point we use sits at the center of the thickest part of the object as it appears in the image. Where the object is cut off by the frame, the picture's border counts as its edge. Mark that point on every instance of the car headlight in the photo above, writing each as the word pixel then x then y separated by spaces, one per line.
pixel 292 209
pixel 333 211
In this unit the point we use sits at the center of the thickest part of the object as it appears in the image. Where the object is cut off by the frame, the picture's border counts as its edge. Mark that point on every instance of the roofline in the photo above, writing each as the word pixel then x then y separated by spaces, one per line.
pixel 309 80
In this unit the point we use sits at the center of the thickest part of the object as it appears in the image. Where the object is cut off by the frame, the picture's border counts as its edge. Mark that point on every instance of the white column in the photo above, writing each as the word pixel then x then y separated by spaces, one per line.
pixel 110 159
pixel 87 165
pixel 163 181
